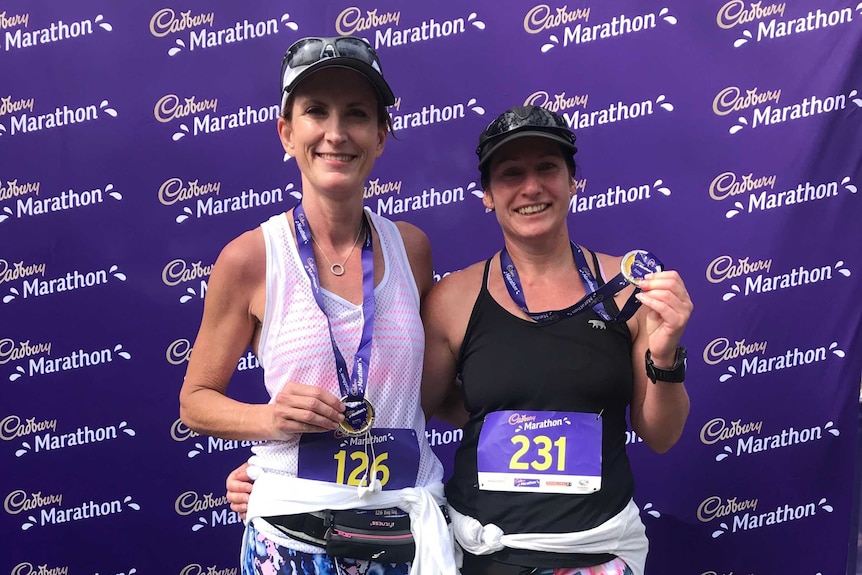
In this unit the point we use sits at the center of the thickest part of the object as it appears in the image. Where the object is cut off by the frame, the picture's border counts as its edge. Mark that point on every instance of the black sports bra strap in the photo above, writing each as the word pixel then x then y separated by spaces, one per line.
pixel 599 277
pixel 485 274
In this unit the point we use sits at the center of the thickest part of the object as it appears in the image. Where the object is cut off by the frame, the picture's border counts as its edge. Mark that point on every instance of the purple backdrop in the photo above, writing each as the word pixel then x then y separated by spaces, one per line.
pixel 136 141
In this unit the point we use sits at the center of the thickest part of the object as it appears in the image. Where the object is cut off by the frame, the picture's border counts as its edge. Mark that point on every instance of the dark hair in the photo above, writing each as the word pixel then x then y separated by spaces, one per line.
pixel 485 171
pixel 383 117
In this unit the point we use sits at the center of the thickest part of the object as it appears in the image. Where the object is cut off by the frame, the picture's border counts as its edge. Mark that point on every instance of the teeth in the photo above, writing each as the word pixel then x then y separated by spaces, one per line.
pixel 532 209
pixel 338 157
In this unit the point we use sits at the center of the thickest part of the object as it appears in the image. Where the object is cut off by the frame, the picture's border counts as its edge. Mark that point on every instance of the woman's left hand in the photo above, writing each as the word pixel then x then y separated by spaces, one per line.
pixel 668 308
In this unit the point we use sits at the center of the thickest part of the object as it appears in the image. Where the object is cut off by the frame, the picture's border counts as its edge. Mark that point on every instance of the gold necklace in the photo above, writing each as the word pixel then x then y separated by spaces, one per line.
pixel 337 269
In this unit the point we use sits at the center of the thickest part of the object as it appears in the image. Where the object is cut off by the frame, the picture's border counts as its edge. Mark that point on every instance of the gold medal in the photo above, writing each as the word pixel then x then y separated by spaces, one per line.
pixel 358 416
pixel 638 263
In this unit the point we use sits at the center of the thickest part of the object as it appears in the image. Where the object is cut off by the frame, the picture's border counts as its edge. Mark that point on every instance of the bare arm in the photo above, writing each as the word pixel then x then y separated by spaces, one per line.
pixel 445 315
pixel 419 254
pixel 440 395
pixel 659 411
pixel 232 309
pixel 226 331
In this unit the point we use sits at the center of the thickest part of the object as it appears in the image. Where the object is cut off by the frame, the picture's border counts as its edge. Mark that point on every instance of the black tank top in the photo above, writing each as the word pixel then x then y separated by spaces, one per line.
pixel 580 364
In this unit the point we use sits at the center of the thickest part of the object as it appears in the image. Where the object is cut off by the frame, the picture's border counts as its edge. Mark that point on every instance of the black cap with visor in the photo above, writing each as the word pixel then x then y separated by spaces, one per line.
pixel 521 122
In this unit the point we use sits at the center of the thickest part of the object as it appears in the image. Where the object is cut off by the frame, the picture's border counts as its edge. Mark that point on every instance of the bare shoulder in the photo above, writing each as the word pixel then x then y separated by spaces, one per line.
pixel 415 240
pixel 418 250
pixel 243 259
pixel 460 288
pixel 610 264
pixel 447 309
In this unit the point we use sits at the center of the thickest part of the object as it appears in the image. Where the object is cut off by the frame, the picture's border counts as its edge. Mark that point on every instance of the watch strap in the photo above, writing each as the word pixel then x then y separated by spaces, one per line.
pixel 675 374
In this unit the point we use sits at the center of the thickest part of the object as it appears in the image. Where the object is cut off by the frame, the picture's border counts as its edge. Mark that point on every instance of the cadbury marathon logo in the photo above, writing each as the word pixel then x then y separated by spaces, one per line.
pixel 206 444
pixel 758 192
pixel 36 286
pixel 754 361
pixel 43 510
pixel 429 198
pixel 735 514
pixel 178 271
pixel 431 114
pixel 213 510
pixel 179 351
pixel 747 275
pixel 38 360
pixel 201 115
pixel 574 110
pixel 765 108
pixel 761 21
pixel 27 205
pixel 24 120
pixel 202 33
pixel 748 438
pixel 389 33
pixel 16 37
pixel 46 438
pixel 207 202
pixel 577 31
pixel 616 195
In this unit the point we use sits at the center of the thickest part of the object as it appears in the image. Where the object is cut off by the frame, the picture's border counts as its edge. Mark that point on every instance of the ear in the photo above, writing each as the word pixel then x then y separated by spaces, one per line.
pixel 573 187
pixel 382 134
pixel 285 133
pixel 488 201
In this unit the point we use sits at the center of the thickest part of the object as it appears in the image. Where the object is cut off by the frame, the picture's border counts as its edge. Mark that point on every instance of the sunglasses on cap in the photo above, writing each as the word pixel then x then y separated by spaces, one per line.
pixel 311 54
pixel 524 121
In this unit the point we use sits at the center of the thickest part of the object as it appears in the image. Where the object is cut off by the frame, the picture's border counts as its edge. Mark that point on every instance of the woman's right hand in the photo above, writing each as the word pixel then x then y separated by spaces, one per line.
pixel 302 408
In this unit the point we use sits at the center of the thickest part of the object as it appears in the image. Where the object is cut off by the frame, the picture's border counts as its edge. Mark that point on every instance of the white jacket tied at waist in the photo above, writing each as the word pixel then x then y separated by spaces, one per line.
pixel 623 535
pixel 281 495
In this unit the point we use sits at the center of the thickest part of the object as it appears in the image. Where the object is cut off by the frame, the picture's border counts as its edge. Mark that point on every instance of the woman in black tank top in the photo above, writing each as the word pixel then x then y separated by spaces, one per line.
pixel 542 395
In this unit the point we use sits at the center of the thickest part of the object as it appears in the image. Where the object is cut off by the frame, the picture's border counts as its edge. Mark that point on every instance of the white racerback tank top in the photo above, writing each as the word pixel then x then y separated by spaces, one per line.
pixel 295 346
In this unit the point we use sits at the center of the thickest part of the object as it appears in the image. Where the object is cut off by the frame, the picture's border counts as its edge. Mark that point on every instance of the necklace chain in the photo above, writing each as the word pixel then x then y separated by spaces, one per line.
pixel 337 269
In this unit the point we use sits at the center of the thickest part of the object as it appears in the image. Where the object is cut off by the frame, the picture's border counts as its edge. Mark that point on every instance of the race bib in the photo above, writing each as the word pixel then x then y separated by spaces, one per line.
pixel 337 458
pixel 541 452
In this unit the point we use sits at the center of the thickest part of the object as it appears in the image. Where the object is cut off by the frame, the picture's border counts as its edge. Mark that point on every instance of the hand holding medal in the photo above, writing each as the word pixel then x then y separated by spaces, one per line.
pixel 669 308
pixel 302 408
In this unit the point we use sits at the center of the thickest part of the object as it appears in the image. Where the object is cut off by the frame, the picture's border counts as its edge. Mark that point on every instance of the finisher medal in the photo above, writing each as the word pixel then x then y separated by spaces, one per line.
pixel 358 416
pixel 638 263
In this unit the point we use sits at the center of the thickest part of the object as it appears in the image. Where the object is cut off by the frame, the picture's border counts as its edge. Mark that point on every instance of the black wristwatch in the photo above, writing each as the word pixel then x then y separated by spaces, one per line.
pixel 675 374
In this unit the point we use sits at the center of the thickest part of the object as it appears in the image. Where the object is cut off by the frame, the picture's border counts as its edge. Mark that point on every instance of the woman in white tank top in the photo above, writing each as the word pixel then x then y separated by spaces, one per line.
pixel 327 296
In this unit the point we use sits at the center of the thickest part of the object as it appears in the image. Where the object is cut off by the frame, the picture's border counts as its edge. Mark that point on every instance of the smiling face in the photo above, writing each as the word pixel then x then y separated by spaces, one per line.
pixel 334 131
pixel 529 186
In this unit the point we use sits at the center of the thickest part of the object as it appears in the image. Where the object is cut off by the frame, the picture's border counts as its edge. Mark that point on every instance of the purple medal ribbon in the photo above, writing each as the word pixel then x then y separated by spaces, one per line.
pixel 594 298
pixel 352 386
